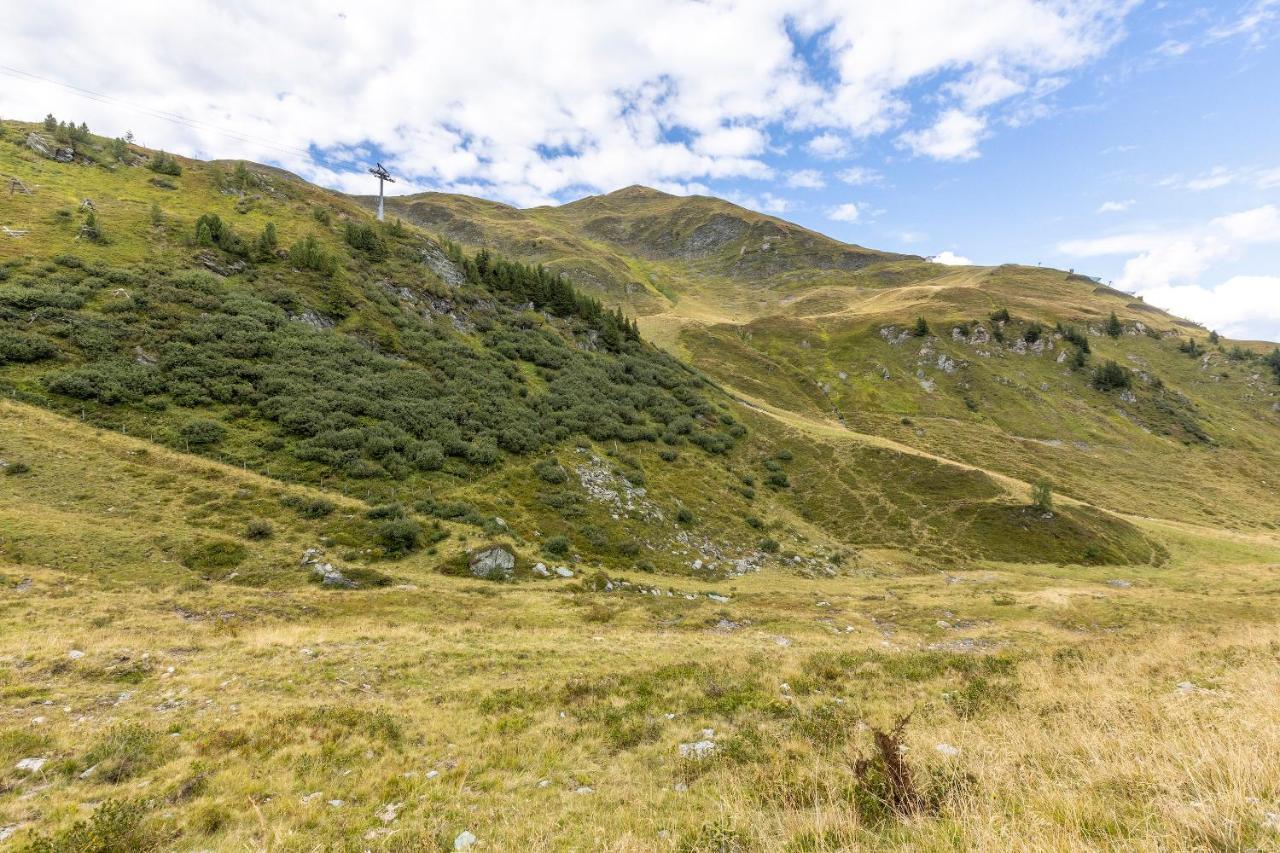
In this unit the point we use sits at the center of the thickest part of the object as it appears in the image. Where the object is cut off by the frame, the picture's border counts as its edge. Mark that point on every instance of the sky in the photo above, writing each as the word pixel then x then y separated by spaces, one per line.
pixel 1134 141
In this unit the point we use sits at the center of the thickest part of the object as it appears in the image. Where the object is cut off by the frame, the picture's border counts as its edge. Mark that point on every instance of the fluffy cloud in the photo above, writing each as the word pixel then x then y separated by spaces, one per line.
pixel 859 176
pixel 1115 206
pixel 954 136
pixel 828 146
pixel 810 179
pixel 951 259
pixel 847 212
pixel 538 100
pixel 1166 268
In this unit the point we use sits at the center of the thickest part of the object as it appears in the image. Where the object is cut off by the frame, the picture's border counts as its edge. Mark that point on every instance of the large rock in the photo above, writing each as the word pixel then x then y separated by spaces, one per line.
pixel 41 146
pixel 495 563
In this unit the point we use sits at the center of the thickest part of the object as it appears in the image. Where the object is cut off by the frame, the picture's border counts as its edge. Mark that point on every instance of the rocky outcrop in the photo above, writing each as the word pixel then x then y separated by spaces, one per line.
pixel 494 563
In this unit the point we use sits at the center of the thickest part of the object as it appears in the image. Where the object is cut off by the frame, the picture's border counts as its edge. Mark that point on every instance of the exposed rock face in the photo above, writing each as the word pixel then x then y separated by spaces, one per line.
pixel 312 319
pixel 493 563
pixel 42 146
pixel 448 271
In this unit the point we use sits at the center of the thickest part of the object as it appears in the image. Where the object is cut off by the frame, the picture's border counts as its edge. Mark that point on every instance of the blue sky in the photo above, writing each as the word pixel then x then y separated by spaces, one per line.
pixel 1131 140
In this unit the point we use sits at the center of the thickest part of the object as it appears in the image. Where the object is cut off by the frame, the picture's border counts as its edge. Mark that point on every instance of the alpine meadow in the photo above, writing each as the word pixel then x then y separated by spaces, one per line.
pixel 622 520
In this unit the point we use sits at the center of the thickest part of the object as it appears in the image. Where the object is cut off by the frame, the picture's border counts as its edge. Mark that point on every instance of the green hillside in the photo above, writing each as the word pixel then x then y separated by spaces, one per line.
pixel 324 533
pixel 826 331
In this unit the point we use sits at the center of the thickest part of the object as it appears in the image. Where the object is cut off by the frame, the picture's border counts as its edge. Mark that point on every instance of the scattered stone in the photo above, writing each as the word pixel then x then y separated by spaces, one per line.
pixel 1120 584
pixel 329 576
pixel 697 749
pixel 563 572
pixel 308 799
pixel 948 750
pixel 680 788
pixel 31 765
pixel 389 812
pixel 464 841
pixel 718 598
pixel 782 641
pixel 1270 820
pixel 75 654
pixel 584 789
pixel 87 773
pixel 544 783
pixel 337 804
pixel 495 563
pixel 431 774
pixel 541 571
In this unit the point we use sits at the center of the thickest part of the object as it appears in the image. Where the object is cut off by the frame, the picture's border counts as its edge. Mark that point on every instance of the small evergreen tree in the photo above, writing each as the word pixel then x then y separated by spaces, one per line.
pixel 1042 495
pixel 922 327
pixel 1213 338
pixel 265 248
pixel 1000 316
pixel 50 123
pixel 1111 377
pixel 165 164
pixel 1113 327
pixel 91 231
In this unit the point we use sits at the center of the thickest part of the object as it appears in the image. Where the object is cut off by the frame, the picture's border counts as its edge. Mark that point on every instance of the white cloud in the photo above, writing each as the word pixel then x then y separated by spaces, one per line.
pixel 828 146
pixel 764 202
pixel 810 179
pixel 536 100
pixel 860 176
pixel 954 136
pixel 1222 176
pixel 1243 306
pixel 951 259
pixel 1115 206
pixel 1166 268
pixel 847 212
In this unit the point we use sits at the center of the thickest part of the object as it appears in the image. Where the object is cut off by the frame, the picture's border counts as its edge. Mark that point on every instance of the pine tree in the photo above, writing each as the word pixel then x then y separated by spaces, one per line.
pixel 50 123
pixel 922 327
pixel 1113 327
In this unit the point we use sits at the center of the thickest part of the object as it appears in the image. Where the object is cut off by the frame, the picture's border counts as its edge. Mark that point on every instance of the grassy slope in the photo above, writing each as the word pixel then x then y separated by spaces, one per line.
pixel 221 711
pixel 1198 442
pixel 219 695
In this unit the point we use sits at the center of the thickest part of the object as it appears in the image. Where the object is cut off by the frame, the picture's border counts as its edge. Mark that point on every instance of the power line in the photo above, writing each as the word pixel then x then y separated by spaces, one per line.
pixel 174 118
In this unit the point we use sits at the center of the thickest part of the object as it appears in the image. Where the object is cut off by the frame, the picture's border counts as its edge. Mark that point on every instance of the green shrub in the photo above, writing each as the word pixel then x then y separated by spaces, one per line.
pixel 551 471
pixel 362 236
pixel 399 535
pixel 202 431
pixel 1000 315
pixel 556 546
pixel 165 164
pixel 307 254
pixel 684 515
pixel 1042 495
pixel 13 469
pixel 921 328
pixel 259 528
pixel 769 546
pixel 25 347
pixel 1110 377
pixel 116 826
pixel 215 554
pixel 124 751
pixel 391 510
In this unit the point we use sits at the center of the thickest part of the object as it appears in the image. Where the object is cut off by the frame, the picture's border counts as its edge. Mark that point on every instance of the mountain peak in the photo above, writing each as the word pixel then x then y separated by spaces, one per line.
pixel 638 191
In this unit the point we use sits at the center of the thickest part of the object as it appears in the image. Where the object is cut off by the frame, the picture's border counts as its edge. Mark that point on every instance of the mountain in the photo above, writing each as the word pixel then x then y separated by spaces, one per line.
pixel 786 318
pixel 642 521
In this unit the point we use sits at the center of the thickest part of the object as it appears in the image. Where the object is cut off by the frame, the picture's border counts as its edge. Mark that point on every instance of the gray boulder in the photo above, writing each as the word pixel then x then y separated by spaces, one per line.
pixel 495 563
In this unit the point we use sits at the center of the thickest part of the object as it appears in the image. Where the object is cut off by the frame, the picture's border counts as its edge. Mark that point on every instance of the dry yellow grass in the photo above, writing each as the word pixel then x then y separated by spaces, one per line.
pixel 1059 690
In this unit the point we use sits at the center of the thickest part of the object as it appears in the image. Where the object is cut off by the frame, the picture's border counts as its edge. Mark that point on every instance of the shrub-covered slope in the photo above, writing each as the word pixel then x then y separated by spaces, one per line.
pixel 1024 371
pixel 234 311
